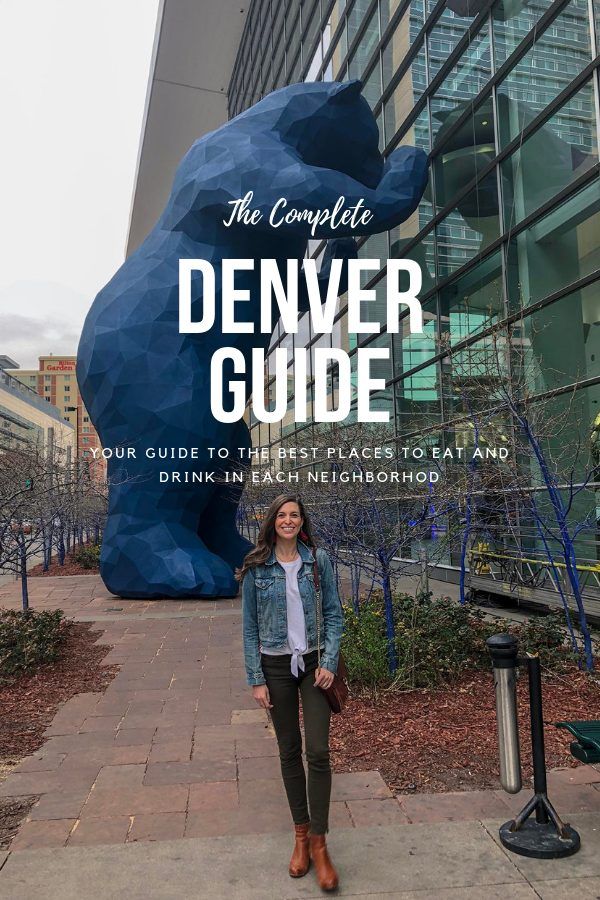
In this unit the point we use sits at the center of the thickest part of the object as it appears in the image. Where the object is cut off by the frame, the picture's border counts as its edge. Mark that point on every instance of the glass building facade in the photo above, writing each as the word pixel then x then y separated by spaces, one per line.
pixel 504 98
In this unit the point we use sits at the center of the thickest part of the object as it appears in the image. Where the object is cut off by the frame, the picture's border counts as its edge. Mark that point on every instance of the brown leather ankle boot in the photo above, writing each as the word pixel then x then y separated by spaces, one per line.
pixel 326 874
pixel 300 861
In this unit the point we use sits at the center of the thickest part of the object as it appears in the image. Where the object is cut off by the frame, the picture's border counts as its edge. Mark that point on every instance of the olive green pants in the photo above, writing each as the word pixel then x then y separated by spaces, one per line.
pixel 285 691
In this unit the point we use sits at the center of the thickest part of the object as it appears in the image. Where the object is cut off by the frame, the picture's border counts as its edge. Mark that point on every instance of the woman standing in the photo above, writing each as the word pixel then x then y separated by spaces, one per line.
pixel 281 658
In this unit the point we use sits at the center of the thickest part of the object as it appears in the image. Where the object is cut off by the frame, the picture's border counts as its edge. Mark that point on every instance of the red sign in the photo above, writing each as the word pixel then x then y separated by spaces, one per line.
pixel 60 366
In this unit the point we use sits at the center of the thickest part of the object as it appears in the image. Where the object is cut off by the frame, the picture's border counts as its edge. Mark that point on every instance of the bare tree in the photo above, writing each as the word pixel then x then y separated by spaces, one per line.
pixel 372 505
pixel 543 493
pixel 44 501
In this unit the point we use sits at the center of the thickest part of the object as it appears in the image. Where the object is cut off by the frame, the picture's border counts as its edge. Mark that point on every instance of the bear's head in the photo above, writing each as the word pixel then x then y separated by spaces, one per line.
pixel 329 124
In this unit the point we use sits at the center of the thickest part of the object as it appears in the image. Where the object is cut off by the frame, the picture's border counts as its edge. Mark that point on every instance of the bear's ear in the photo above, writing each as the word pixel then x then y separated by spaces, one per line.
pixel 346 91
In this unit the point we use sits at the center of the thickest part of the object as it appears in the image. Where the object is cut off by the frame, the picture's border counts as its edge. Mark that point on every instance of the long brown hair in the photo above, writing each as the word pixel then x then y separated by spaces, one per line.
pixel 266 535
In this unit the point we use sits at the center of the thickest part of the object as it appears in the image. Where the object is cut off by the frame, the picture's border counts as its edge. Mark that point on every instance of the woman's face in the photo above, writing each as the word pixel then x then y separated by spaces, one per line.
pixel 288 521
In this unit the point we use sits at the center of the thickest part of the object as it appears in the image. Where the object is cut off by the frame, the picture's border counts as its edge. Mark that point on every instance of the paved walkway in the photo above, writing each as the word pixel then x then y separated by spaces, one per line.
pixel 175 763
pixel 458 861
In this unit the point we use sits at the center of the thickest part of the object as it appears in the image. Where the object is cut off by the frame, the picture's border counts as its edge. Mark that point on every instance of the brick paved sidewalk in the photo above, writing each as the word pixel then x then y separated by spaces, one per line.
pixel 176 748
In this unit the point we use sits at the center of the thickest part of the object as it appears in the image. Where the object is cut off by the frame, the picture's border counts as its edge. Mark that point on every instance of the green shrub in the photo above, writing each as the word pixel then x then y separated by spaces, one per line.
pixel 545 635
pixel 29 639
pixel 435 640
pixel 364 644
pixel 88 556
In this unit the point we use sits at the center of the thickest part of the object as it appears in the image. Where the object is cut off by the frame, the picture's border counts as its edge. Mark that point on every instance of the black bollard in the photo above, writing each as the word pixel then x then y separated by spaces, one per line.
pixel 546 836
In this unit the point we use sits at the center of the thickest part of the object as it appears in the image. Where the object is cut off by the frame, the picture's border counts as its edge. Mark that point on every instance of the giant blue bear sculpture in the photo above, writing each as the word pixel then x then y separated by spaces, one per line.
pixel 145 385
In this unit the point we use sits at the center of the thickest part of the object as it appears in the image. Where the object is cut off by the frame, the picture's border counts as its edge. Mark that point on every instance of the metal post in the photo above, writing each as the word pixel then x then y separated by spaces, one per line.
pixel 538 753
pixel 547 837
pixel 503 650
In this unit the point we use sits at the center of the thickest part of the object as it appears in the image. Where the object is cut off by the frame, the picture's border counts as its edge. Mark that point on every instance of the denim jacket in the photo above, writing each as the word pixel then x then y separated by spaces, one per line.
pixel 264 611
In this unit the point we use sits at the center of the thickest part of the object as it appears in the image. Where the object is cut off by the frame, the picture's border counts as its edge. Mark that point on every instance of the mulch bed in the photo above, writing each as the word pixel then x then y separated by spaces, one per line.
pixel 28 704
pixel 70 567
pixel 445 739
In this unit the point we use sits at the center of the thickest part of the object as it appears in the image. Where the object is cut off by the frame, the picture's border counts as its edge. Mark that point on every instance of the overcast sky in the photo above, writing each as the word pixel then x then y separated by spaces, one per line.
pixel 73 79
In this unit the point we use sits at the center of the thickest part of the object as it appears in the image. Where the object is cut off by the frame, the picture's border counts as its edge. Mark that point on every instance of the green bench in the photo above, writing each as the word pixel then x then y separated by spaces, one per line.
pixel 586 747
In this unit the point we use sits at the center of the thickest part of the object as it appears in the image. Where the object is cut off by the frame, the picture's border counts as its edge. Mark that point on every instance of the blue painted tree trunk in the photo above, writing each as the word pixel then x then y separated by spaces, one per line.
pixel 568 549
pixel 557 579
pixel 464 545
pixel 388 602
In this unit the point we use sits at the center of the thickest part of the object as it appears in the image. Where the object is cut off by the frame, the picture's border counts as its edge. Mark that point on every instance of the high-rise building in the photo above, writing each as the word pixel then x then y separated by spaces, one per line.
pixel 26 421
pixel 504 97
pixel 56 382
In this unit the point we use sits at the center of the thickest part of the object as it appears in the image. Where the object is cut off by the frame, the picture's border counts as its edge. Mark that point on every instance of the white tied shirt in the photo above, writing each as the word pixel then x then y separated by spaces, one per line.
pixel 296 639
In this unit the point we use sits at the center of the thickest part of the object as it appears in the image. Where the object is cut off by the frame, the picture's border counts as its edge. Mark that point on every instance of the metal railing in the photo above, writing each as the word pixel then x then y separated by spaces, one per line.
pixel 533 579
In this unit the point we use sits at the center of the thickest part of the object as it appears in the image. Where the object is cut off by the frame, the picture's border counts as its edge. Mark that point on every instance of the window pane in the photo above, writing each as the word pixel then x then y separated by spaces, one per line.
pixel 418 133
pixel 279 79
pixel 416 136
pixel 465 154
pixel 406 93
pixel 510 29
pixel 473 302
pixel 417 396
pixel 315 64
pixel 388 8
pixel 555 251
pixel 341 47
pixel 292 31
pixel 381 368
pixel 566 448
pixel 418 401
pixel 366 45
pixel 382 401
pixel 311 30
pixel 356 17
pixel 266 31
pixel 402 39
pixel 472 377
pixel 467 230
pixel 372 86
pixel 444 37
pixel 558 55
pixel 468 77
pixel 336 14
pixel 267 72
pixel 381 130
pixel 412 350
pixel 422 253
pixel 561 342
pixel 375 309
pixel 551 158
pixel 278 14
pixel 294 71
